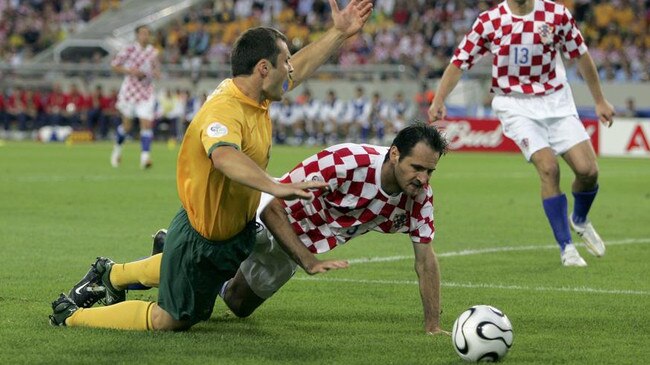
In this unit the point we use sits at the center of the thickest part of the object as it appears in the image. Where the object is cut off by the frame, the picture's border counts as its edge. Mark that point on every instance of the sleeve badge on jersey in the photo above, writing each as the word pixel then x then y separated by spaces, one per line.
pixel 216 130
pixel 545 32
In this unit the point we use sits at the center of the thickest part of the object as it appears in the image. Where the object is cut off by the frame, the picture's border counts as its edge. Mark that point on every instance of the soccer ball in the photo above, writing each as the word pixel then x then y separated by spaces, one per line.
pixel 482 333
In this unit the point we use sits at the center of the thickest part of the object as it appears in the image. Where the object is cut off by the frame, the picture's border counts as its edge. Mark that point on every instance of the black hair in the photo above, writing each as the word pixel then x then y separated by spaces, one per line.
pixel 252 46
pixel 417 132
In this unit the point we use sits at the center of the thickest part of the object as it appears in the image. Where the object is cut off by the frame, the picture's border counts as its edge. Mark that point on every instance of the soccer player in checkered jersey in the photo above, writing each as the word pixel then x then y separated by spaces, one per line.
pixel 534 103
pixel 371 188
pixel 139 64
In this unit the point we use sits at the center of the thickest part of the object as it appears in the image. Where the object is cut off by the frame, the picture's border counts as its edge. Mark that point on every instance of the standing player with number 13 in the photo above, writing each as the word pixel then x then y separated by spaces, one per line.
pixel 535 106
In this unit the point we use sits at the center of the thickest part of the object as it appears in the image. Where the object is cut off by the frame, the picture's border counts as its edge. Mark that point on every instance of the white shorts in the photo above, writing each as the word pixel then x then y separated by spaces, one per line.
pixel 268 267
pixel 142 109
pixel 530 122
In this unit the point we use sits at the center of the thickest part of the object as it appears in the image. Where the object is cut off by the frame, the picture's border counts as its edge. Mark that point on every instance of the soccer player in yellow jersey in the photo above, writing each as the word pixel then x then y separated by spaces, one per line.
pixel 220 173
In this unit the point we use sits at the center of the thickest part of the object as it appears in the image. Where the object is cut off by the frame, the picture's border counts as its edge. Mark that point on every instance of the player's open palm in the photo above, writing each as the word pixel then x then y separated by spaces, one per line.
pixel 350 20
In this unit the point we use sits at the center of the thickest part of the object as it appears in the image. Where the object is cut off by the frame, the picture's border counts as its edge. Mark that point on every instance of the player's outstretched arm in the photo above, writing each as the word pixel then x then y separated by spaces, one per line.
pixel 240 168
pixel 347 22
pixel 604 110
pixel 426 267
pixel 275 219
pixel 448 82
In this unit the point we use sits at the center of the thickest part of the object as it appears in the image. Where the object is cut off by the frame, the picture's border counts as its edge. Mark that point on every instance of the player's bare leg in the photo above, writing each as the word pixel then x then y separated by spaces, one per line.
pixel 548 170
pixel 555 205
pixel 163 321
pixel 146 137
pixel 239 297
pixel 582 160
pixel 122 131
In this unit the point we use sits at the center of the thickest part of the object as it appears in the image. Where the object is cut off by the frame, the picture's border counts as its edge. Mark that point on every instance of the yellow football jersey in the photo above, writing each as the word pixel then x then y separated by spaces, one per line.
pixel 217 207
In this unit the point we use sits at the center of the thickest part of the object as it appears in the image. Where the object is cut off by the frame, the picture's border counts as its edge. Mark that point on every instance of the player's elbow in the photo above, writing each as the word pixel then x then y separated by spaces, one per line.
pixel 271 213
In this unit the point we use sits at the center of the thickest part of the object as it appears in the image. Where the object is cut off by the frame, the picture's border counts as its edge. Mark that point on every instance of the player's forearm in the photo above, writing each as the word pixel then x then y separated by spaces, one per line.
pixel 448 82
pixel 429 282
pixel 275 219
pixel 240 168
pixel 121 70
pixel 312 56
pixel 589 73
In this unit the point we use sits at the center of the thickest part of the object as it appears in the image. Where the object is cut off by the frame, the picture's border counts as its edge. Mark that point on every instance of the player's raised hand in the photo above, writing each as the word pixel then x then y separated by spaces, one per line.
pixel 605 112
pixel 318 266
pixel 437 111
pixel 351 19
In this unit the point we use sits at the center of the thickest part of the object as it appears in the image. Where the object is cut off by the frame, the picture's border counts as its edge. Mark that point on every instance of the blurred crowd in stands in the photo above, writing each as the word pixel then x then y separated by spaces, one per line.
pixel 24 110
pixel 305 120
pixel 28 27
pixel 298 120
pixel 420 34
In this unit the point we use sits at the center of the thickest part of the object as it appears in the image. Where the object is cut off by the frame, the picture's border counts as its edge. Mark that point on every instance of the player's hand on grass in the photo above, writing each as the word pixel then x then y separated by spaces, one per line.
pixel 319 266
pixel 605 112
pixel 438 331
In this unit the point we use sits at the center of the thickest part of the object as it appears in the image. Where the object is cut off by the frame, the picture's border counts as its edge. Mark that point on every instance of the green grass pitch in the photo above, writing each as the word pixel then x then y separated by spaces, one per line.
pixel 61 206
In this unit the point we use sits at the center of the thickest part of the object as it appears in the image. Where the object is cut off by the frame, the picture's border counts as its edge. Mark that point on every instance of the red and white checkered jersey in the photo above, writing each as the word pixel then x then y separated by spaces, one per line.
pixel 355 203
pixel 524 48
pixel 146 60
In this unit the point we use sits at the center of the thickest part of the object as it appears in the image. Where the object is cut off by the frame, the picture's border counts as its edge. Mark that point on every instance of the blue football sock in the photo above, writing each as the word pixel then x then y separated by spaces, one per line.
pixel 121 135
pixel 582 204
pixel 556 212
pixel 146 136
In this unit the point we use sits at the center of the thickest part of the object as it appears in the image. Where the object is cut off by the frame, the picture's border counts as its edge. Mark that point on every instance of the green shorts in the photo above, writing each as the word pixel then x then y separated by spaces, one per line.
pixel 193 268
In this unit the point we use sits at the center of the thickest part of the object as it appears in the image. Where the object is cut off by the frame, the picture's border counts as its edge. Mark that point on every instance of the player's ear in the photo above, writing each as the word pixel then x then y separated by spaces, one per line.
pixel 394 154
pixel 263 67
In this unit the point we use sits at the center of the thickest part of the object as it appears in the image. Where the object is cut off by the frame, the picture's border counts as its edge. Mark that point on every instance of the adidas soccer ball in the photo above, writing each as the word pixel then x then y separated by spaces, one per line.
pixel 482 333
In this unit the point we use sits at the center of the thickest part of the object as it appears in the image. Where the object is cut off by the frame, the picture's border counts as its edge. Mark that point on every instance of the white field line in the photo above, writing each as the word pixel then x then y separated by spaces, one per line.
pixel 478 285
pixel 481 251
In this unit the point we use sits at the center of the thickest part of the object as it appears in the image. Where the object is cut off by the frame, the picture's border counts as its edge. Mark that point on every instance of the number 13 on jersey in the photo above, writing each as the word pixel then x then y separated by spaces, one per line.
pixel 520 55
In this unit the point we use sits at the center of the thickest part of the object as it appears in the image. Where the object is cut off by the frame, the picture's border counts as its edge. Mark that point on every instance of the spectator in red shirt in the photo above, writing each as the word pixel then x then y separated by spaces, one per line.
pixel 54 105
pixel 94 111
pixel 75 107
pixel 3 112
pixel 110 116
